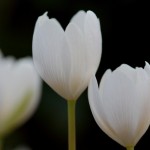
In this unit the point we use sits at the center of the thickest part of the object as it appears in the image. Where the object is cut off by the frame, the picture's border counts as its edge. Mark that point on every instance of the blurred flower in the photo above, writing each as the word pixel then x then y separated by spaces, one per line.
pixel 20 90
pixel 66 60
pixel 121 104
pixel 22 148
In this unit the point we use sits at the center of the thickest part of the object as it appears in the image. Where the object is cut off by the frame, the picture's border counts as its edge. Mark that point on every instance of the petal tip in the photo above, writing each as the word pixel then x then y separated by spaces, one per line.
pixel 42 19
pixel 91 13
pixel 146 63
pixel 93 80
pixel 147 66
pixel 45 14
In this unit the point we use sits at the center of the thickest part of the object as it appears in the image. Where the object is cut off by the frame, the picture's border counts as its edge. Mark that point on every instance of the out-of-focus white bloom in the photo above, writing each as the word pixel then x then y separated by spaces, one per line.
pixel 20 90
pixel 121 104
pixel 66 60
pixel 22 148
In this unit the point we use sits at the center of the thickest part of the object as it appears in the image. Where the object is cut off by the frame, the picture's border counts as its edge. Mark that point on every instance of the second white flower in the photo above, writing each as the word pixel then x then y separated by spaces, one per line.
pixel 121 104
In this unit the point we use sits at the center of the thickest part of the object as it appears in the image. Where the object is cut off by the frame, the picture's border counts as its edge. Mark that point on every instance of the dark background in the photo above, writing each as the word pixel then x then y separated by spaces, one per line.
pixel 125 32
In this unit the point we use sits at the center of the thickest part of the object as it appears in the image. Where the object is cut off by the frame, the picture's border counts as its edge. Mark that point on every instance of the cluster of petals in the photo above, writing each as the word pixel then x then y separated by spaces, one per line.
pixel 121 103
pixel 20 90
pixel 66 59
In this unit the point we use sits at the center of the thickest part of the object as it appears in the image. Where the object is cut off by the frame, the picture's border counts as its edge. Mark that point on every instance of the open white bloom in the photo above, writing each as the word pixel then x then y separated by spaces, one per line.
pixel 20 90
pixel 66 60
pixel 121 104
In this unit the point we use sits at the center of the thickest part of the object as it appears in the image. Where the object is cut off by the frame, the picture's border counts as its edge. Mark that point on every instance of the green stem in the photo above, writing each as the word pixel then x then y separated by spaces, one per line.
pixel 1 144
pixel 130 148
pixel 71 125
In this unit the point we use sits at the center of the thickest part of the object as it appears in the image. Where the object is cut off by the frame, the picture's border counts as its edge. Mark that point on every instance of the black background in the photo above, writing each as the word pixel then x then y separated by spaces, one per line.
pixel 125 33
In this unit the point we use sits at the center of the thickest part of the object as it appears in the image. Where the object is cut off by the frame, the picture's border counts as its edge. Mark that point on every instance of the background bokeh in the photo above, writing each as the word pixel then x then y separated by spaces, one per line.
pixel 125 32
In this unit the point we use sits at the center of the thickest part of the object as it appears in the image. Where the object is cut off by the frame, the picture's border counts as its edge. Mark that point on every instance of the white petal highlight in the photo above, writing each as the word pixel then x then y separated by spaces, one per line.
pixel 79 19
pixel 93 39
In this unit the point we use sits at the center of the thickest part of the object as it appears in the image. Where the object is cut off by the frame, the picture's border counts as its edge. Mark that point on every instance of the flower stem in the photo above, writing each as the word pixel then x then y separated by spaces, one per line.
pixel 71 125
pixel 130 148
pixel 1 144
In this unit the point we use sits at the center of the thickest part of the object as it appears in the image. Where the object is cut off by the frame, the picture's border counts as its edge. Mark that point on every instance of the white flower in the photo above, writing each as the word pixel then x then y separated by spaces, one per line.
pixel 20 90
pixel 121 104
pixel 66 60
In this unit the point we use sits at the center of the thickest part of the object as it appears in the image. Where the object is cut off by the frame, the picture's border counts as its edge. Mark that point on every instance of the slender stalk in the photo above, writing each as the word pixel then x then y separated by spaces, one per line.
pixel 1 144
pixel 130 148
pixel 71 125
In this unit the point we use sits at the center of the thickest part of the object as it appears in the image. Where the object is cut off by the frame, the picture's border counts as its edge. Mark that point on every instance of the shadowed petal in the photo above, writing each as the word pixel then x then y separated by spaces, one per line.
pixel 98 110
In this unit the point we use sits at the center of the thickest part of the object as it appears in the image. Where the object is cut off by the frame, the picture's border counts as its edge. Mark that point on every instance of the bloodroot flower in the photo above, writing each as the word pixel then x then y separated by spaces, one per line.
pixel 66 60
pixel 121 103
pixel 20 88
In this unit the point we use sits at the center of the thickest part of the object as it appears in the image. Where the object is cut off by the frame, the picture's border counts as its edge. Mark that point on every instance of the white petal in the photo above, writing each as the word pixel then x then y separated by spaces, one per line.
pixel 30 80
pixel 98 110
pixel 105 77
pixel 121 106
pixel 51 55
pixel 21 80
pixel 147 67
pixel 142 104
pixel 119 98
pixel 128 71
pixel 93 39
pixel 78 19
pixel 141 75
pixel 78 56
